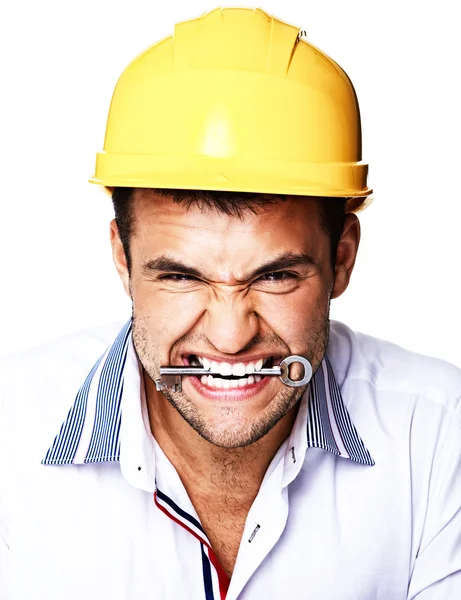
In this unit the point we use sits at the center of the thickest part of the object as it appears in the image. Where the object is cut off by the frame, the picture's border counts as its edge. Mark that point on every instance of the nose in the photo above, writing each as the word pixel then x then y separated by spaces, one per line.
pixel 230 322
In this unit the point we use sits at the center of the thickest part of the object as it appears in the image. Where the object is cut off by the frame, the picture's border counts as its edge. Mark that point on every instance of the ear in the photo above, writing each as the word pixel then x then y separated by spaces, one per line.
pixel 346 254
pixel 118 255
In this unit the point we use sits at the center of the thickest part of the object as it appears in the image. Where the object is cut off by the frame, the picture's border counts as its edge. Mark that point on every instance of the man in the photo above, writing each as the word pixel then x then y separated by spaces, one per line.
pixel 232 154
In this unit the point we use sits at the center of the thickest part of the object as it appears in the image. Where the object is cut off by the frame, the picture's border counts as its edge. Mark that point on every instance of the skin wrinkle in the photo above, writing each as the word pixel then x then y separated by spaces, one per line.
pixel 169 264
pixel 221 449
pixel 332 210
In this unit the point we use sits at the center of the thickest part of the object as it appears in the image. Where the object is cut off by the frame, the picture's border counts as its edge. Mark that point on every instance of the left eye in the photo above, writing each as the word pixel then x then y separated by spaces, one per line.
pixel 278 276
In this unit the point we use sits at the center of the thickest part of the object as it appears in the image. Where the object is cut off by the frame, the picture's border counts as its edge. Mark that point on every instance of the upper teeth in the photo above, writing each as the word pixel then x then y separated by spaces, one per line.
pixel 223 368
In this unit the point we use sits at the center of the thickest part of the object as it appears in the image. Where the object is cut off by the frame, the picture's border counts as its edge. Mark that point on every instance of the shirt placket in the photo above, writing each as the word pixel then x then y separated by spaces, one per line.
pixel 265 524
pixel 215 580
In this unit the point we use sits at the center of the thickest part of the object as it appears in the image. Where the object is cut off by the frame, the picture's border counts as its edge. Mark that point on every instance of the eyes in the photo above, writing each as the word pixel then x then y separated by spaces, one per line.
pixel 275 276
pixel 275 281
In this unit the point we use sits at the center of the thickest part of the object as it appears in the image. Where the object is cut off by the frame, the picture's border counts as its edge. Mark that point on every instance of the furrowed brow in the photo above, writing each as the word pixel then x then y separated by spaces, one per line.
pixel 287 260
pixel 170 265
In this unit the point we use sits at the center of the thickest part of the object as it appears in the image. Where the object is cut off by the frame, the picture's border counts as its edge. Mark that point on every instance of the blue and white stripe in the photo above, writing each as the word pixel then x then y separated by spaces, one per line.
pixel 91 431
pixel 329 425
pixel 207 575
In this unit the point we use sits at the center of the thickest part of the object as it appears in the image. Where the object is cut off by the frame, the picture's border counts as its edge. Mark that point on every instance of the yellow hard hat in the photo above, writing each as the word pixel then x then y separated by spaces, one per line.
pixel 235 100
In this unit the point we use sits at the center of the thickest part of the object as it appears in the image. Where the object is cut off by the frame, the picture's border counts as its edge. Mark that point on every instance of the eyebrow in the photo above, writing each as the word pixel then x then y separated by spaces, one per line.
pixel 167 264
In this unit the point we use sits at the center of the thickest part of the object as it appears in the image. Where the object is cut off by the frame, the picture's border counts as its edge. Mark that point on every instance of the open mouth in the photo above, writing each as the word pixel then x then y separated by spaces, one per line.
pixel 230 375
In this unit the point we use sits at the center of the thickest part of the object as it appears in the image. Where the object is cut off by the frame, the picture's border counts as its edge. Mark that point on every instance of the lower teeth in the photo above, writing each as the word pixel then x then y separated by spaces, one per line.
pixel 218 382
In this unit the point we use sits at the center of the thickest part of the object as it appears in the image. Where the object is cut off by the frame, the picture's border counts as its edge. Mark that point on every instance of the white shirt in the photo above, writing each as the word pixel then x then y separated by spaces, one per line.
pixel 366 506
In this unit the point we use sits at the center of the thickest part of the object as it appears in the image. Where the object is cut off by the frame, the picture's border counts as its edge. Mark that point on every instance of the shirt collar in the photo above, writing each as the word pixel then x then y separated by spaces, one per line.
pixel 93 428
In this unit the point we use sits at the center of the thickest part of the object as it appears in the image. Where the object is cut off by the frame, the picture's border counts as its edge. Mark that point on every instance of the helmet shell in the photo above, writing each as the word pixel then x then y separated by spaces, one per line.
pixel 235 100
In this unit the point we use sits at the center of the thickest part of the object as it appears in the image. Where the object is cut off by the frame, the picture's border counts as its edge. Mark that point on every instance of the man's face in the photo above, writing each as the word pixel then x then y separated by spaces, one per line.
pixel 209 287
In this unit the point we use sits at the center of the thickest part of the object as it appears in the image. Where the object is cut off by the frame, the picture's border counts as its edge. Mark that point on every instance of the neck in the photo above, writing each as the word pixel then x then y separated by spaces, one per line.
pixel 204 468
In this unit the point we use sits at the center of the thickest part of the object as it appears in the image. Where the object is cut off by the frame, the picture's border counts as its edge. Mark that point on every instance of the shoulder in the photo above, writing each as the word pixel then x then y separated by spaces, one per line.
pixel 391 369
pixel 58 359
pixel 405 406
pixel 39 385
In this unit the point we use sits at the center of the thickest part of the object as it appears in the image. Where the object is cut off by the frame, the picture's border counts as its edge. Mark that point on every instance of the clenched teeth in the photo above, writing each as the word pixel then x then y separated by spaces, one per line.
pixel 237 369
pixel 227 384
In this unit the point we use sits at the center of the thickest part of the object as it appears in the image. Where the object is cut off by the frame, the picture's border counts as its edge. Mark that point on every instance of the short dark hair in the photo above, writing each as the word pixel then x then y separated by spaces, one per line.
pixel 333 210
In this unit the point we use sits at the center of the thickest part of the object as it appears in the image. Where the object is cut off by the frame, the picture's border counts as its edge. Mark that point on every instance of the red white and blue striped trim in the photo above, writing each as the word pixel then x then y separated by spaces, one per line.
pixel 187 521
pixel 91 431
pixel 215 579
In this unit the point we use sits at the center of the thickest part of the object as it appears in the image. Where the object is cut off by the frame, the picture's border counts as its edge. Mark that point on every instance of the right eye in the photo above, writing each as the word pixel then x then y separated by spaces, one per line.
pixel 181 277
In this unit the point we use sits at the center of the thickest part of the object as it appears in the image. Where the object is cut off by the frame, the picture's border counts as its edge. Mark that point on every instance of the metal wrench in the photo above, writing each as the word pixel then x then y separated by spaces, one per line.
pixel 170 377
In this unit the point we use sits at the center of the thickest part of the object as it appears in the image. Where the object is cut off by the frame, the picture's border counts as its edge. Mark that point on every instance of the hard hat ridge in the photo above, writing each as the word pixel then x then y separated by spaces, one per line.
pixel 264 43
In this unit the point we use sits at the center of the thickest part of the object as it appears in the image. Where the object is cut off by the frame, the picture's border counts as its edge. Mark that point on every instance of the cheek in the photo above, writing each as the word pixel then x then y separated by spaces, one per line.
pixel 170 315
pixel 297 316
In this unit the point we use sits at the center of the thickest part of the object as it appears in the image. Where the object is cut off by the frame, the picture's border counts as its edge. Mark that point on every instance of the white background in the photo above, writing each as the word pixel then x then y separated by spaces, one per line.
pixel 59 64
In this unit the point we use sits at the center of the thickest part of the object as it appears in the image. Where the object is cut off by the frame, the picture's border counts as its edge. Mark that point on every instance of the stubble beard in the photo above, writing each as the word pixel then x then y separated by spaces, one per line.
pixel 226 429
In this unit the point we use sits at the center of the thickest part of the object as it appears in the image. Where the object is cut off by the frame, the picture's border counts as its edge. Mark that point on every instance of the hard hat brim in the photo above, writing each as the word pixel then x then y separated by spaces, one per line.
pixel 342 180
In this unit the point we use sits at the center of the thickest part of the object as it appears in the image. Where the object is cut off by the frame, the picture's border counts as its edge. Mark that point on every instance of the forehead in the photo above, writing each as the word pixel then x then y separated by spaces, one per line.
pixel 291 224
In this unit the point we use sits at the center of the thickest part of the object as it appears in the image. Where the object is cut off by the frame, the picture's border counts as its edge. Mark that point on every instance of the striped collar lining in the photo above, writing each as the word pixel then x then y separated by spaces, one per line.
pixel 91 431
